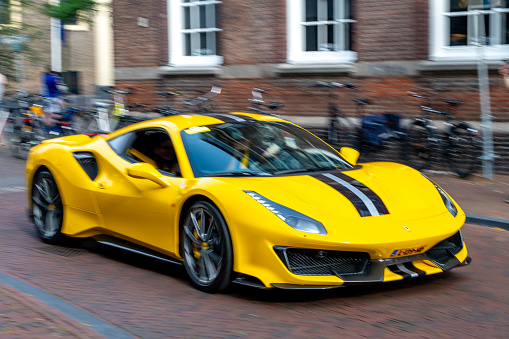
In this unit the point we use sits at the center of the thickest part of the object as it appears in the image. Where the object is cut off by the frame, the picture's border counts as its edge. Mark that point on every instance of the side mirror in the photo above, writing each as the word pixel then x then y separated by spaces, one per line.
pixel 349 154
pixel 146 171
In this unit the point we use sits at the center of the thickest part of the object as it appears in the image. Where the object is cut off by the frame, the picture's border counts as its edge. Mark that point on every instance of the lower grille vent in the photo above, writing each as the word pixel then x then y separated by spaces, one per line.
pixel 303 261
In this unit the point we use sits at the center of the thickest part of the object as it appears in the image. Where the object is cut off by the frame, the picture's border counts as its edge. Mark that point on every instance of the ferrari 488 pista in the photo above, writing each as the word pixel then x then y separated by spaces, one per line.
pixel 244 198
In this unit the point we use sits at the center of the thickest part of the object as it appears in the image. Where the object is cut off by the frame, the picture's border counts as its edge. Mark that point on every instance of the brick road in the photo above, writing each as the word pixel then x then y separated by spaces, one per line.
pixel 149 299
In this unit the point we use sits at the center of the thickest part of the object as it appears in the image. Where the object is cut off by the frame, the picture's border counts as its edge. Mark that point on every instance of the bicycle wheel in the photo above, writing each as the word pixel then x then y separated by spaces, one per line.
pixel 12 137
pixel 340 135
pixel 463 149
pixel 419 147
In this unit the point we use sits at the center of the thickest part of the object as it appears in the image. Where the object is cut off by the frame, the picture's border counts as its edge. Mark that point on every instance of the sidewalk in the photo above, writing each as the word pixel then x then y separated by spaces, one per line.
pixel 481 199
pixel 23 316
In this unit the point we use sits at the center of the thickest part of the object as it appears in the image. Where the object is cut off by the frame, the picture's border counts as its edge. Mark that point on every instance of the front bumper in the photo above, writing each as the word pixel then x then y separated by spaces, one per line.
pixel 323 269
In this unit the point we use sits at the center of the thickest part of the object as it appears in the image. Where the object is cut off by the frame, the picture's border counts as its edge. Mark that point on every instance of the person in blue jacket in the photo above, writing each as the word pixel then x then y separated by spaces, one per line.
pixel 51 81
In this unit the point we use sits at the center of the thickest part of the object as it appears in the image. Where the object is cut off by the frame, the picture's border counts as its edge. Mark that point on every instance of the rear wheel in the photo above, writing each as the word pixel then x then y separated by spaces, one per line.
pixel 419 146
pixel 205 247
pixel 462 150
pixel 47 208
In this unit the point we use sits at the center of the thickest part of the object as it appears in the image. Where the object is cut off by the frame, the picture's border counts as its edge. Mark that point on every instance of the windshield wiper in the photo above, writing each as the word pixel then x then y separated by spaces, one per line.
pixel 236 174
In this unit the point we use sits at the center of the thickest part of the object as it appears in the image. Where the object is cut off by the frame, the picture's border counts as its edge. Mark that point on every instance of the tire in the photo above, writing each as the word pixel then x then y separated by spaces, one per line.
pixel 419 147
pixel 463 149
pixel 47 208
pixel 206 252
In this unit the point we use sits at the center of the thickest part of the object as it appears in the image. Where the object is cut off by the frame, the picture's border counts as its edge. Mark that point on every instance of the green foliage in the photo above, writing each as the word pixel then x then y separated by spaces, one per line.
pixel 69 10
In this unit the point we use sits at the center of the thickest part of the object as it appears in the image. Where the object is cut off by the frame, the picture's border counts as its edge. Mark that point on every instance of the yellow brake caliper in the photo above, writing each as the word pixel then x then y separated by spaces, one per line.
pixel 196 249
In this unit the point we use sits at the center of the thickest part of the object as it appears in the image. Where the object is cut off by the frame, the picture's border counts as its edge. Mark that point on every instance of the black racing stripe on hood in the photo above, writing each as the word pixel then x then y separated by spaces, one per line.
pixel 377 201
pixel 359 205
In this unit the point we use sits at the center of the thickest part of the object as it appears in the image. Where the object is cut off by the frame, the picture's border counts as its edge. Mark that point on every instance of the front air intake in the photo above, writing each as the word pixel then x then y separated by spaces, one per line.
pixel 303 261
pixel 445 250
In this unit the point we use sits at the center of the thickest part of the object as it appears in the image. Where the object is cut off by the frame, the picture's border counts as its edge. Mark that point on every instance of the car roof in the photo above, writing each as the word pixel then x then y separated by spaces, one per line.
pixel 184 121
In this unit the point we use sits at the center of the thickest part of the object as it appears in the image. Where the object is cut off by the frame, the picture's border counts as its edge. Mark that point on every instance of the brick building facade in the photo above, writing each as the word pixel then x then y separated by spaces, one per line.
pixel 77 53
pixel 386 49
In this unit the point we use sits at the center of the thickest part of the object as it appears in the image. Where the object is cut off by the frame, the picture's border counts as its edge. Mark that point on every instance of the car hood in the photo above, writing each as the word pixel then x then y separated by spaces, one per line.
pixel 394 201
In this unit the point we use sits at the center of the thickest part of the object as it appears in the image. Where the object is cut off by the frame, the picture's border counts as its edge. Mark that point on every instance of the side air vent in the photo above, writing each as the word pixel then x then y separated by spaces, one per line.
pixel 88 163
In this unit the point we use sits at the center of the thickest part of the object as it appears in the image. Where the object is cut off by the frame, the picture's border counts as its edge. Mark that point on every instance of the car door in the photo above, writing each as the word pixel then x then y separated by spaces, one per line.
pixel 139 210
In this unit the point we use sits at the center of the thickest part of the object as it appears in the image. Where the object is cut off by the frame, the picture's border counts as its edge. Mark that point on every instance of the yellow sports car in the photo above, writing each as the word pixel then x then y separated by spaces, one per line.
pixel 244 198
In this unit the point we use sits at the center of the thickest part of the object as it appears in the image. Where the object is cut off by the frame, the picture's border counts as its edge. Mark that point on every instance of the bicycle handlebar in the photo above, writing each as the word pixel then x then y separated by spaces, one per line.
pixel 214 91
pixel 413 94
pixel 168 94
pixel 430 110
pixel 333 85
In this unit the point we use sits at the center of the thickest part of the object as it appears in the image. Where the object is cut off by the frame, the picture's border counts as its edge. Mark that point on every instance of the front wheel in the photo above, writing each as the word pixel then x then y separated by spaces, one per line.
pixel 206 248
pixel 463 148
pixel 47 208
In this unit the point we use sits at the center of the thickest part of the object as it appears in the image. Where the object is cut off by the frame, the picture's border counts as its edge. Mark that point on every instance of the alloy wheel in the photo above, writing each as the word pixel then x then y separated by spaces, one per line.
pixel 47 206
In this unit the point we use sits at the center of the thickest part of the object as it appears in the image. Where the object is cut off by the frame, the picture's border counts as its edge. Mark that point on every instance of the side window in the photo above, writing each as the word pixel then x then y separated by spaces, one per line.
pixel 10 13
pixel 5 12
pixel 320 31
pixel 458 27
pixel 193 33
pixel 120 143
pixel 154 147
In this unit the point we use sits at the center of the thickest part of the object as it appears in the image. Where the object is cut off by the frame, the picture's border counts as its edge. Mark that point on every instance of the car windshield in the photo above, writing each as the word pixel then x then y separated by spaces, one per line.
pixel 257 148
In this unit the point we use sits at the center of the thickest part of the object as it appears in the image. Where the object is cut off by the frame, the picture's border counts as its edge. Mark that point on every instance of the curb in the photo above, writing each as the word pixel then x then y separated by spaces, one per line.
pixel 482 220
pixel 57 304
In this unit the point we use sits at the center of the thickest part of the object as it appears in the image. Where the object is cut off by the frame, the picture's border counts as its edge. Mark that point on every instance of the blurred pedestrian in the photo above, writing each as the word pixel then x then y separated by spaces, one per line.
pixel 3 84
pixel 504 71
pixel 51 82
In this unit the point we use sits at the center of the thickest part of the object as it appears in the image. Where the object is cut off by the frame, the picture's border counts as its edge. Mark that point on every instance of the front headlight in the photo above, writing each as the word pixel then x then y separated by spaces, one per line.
pixel 296 220
pixel 446 198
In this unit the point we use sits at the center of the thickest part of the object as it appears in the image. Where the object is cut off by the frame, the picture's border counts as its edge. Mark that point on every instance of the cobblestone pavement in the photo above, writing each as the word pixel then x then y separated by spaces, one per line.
pixel 149 299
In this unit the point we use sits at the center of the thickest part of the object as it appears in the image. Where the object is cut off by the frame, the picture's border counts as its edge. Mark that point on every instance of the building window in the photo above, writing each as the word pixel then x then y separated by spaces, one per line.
pixel 5 12
pixel 193 32
pixel 458 26
pixel 320 31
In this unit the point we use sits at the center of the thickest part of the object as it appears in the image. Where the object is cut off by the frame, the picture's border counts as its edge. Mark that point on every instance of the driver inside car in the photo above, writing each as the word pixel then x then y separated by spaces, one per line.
pixel 163 154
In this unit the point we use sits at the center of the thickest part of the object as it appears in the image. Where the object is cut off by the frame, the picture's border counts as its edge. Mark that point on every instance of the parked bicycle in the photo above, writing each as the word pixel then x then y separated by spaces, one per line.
pixel 370 133
pixel 28 124
pixel 457 141
pixel 21 129
pixel 108 115
pixel 169 107
pixel 203 104
pixel 257 102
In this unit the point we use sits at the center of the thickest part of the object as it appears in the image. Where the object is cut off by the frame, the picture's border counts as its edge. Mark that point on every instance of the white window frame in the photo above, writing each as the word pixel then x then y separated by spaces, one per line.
pixel 296 53
pixel 439 49
pixel 176 38
pixel 16 16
